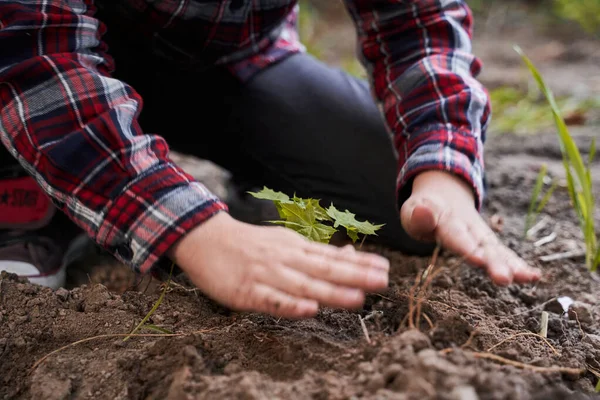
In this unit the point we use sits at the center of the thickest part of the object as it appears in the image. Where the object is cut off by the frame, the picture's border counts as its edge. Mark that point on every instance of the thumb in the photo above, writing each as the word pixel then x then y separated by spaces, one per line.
pixel 420 217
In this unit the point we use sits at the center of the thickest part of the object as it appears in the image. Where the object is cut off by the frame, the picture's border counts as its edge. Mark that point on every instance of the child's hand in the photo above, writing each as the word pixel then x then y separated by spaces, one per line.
pixel 442 208
pixel 274 269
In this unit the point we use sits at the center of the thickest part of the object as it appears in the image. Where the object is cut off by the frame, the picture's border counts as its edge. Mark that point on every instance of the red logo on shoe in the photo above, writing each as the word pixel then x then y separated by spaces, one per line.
pixel 23 204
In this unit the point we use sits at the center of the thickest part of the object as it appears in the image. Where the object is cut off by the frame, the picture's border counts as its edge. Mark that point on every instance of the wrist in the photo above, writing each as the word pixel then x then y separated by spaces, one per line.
pixel 187 248
pixel 445 183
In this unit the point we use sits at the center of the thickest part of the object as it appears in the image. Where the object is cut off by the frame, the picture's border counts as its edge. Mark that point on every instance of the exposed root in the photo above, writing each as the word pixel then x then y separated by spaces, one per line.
pixel 524 334
pixel 113 335
pixel 517 364
pixel 364 329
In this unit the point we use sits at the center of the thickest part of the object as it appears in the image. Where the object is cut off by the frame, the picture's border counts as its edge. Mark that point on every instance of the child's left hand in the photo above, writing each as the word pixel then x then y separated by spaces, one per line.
pixel 442 208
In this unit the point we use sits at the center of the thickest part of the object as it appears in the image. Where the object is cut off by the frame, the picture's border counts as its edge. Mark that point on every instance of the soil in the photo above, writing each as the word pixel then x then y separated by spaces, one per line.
pixel 222 354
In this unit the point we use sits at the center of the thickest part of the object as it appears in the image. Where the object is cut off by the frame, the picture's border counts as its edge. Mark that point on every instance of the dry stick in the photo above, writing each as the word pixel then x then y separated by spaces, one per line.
pixel 562 256
pixel 362 242
pixel 583 334
pixel 544 324
pixel 429 276
pixel 524 334
pixel 536 307
pixel 364 329
pixel 517 364
pixel 112 335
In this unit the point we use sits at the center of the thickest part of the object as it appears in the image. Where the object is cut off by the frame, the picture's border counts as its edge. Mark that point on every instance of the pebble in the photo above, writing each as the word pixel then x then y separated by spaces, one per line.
pixel 582 312
pixel 464 393
pixel 62 294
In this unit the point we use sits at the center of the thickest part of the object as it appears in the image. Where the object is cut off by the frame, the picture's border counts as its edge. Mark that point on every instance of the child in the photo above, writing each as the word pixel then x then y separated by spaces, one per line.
pixel 229 81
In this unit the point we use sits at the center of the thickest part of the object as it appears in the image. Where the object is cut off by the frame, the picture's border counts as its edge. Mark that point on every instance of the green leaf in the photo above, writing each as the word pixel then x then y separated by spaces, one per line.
pixel 270 194
pixel 277 198
pixel 304 220
pixel 353 227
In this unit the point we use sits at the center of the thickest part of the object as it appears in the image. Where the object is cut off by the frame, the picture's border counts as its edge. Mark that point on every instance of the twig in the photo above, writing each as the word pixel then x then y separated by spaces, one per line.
pixel 112 335
pixel 364 329
pixel 539 226
pixel 362 242
pixel 524 334
pixel 545 240
pixel 536 307
pixel 544 325
pixel 563 256
pixel 583 334
pixel 517 364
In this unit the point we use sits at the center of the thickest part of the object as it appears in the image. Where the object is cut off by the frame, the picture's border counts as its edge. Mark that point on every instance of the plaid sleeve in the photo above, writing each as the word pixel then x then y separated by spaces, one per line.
pixel 75 129
pixel 418 53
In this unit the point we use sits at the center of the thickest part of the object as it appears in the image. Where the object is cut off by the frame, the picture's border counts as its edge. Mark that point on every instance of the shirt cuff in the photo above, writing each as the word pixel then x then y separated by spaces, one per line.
pixel 152 213
pixel 441 149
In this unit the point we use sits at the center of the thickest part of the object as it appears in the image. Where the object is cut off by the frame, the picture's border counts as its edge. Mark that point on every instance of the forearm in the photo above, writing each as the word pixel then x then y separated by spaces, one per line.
pixel 75 129
pixel 423 74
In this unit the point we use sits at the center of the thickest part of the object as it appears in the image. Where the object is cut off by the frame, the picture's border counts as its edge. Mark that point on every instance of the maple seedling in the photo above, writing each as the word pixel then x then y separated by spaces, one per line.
pixel 311 220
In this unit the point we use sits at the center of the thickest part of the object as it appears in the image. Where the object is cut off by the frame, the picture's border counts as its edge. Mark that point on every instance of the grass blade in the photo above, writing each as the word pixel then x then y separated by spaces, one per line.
pixel 537 188
pixel 154 307
pixel 546 197
pixel 579 179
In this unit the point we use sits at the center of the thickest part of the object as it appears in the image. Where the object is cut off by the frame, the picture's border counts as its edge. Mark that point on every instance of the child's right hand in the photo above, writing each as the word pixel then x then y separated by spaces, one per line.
pixel 275 270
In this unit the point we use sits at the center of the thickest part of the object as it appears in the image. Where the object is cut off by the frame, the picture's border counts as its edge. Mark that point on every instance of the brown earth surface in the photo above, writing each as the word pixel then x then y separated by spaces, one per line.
pixel 229 355
pixel 222 354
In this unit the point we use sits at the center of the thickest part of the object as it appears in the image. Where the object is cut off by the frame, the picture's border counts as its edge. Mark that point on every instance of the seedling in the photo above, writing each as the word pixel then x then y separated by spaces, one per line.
pixel 308 218
pixel 536 206
pixel 579 176
pixel 158 302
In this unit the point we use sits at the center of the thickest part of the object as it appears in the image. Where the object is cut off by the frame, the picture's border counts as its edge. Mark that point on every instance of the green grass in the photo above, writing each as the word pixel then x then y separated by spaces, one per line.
pixel 536 206
pixel 578 173
pixel 143 324
pixel 585 12
pixel 522 113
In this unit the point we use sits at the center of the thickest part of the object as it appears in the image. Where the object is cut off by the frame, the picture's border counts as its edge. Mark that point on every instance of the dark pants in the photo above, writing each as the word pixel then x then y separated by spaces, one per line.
pixel 298 127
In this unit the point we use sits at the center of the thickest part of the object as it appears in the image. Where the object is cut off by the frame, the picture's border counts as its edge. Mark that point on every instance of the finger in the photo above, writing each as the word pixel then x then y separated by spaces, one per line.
pixel 336 271
pixel 349 249
pixel 300 285
pixel 522 272
pixel 420 217
pixel 493 257
pixel 358 258
pixel 265 299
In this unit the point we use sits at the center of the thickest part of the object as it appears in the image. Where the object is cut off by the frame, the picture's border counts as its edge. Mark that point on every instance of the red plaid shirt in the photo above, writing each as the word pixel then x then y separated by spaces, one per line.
pixel 75 129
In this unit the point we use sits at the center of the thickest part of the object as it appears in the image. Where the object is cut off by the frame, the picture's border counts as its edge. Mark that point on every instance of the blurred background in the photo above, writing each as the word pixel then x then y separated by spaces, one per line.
pixel 561 36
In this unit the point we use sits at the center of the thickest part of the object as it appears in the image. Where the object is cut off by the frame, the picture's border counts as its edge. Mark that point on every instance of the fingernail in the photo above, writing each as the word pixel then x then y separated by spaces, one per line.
pixel 354 296
pixel 378 279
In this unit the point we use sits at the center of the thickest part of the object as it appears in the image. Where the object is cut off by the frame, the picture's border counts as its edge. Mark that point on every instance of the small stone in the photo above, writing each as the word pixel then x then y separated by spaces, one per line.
pixel 391 372
pixel 375 383
pixel 62 294
pixel 62 312
pixel 594 340
pixel 582 312
pixel 415 338
pixel 555 306
pixel 464 393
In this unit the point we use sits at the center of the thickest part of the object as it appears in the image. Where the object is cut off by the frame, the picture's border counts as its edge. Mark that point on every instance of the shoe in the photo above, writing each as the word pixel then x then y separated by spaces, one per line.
pixel 34 257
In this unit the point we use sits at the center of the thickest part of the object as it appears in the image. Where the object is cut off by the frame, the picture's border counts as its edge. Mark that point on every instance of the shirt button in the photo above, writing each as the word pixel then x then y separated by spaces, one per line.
pixel 124 251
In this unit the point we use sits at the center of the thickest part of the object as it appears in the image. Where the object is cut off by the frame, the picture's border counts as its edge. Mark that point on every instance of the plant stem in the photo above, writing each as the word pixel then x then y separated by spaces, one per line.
pixel 154 307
